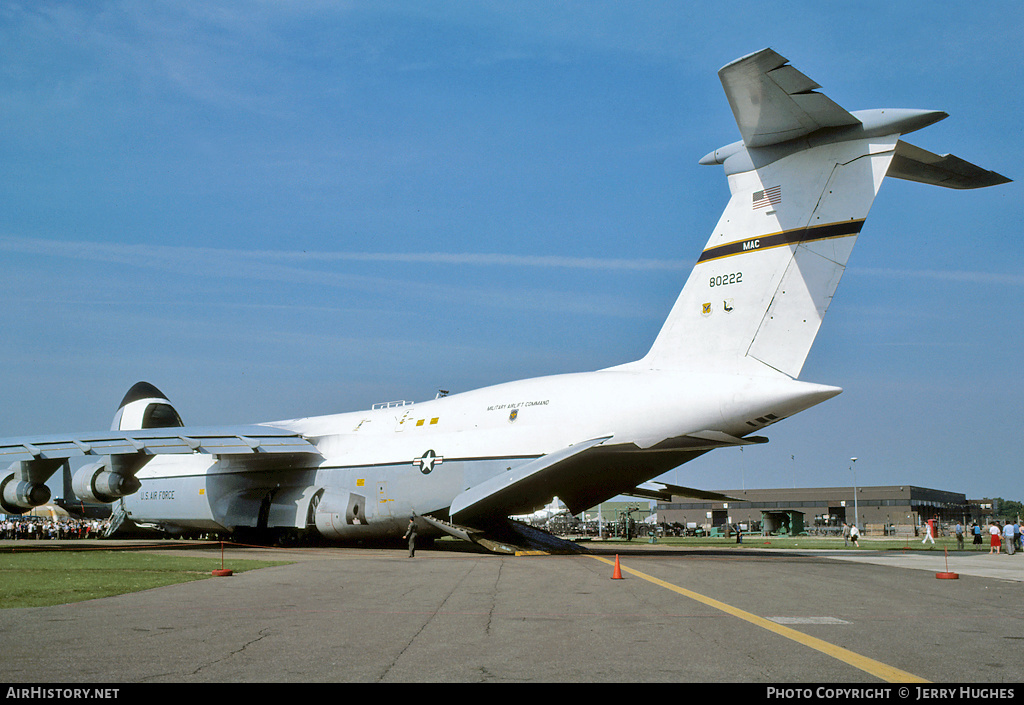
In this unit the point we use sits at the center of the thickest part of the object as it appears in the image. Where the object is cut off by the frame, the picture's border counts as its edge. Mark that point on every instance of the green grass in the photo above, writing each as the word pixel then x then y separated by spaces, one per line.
pixel 59 577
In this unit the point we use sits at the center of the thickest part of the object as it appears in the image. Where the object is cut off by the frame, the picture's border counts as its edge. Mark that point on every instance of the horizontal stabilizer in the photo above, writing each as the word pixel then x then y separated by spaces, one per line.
pixel 707 440
pixel 719 439
pixel 773 102
pixel 916 164
pixel 671 491
pixel 512 492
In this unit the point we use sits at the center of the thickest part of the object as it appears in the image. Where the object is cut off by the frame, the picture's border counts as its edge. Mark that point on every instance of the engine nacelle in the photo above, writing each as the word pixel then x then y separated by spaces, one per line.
pixel 98 483
pixel 340 514
pixel 18 496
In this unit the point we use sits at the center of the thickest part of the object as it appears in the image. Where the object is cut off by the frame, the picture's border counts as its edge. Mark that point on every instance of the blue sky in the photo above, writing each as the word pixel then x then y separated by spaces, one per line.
pixel 271 210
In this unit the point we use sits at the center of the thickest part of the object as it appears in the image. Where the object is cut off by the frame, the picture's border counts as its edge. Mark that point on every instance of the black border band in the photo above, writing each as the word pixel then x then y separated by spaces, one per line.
pixel 786 237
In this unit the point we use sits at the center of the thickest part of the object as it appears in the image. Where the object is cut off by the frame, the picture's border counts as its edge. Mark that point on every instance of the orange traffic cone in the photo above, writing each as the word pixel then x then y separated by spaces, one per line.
pixel 617 573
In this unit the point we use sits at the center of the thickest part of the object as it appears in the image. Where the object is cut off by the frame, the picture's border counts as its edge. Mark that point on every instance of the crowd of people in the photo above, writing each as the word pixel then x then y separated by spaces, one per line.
pixel 1001 537
pixel 27 527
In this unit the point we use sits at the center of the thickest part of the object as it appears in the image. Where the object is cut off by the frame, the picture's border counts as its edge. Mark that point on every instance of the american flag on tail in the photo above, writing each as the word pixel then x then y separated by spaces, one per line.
pixel 769 197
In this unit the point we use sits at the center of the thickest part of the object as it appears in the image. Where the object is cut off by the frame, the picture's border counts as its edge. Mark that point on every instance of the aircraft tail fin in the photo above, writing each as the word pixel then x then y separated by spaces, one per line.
pixel 802 181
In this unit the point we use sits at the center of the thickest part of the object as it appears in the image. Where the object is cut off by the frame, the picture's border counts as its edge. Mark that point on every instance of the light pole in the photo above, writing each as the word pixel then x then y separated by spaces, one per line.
pixel 856 519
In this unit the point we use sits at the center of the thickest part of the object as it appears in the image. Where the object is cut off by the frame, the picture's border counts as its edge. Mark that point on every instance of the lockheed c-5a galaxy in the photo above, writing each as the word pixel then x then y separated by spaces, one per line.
pixel 723 368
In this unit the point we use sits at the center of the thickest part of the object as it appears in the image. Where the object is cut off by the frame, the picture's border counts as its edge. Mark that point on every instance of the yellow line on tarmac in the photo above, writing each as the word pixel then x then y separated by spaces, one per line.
pixel 868 665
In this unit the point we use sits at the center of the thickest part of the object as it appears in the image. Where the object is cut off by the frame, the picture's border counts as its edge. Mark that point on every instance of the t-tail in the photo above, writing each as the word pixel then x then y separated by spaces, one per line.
pixel 802 179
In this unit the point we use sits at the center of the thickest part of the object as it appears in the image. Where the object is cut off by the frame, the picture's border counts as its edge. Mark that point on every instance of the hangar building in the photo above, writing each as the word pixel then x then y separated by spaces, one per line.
pixel 885 509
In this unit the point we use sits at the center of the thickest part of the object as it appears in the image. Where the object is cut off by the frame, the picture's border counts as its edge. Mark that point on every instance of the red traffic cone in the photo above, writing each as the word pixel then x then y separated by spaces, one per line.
pixel 617 573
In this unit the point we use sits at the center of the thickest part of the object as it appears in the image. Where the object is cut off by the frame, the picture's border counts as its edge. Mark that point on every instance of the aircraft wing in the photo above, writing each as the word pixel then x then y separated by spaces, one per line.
pixel 228 440
pixel 513 492
pixel 34 459
pixel 773 102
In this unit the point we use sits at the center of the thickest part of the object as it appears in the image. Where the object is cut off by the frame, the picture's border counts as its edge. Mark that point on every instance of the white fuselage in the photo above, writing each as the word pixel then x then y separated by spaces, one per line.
pixel 395 460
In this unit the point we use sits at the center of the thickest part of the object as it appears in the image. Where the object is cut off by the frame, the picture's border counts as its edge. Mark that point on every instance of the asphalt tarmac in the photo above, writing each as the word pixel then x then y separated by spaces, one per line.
pixel 677 615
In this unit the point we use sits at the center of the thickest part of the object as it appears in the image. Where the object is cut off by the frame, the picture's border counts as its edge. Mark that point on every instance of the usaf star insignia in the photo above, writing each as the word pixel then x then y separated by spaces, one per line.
pixel 427 461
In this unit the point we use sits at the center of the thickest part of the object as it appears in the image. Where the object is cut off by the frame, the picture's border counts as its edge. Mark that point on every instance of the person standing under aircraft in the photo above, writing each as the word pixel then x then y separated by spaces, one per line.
pixel 410 533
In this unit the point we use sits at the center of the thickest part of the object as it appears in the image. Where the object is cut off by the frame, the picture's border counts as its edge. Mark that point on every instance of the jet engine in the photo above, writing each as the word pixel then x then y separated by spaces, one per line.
pixel 99 483
pixel 106 481
pixel 18 496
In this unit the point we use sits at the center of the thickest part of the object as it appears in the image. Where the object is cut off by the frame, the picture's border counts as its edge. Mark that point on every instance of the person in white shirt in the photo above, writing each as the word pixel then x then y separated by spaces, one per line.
pixel 928 533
